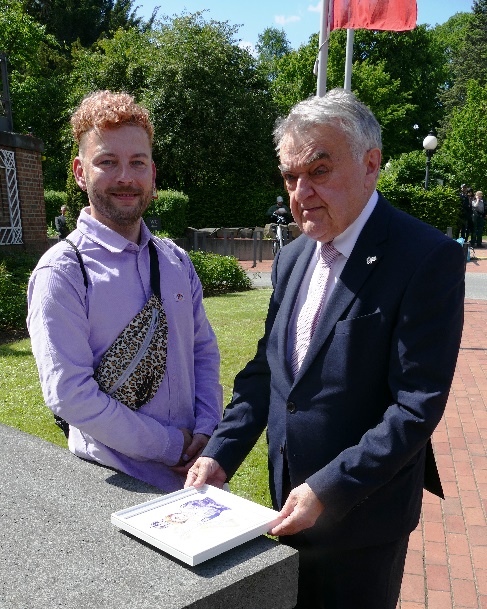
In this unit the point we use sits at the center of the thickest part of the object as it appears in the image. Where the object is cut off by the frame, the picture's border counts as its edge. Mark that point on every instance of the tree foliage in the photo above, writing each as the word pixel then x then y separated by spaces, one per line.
pixel 271 46
pixel 398 74
pixel 465 141
pixel 416 61
pixel 214 104
pixel 211 110
pixel 468 57
pixel 36 72
pixel 84 21
pixel 294 79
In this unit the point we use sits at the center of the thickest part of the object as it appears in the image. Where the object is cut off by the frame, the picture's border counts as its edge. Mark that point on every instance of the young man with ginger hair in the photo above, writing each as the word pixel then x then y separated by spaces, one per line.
pixel 73 322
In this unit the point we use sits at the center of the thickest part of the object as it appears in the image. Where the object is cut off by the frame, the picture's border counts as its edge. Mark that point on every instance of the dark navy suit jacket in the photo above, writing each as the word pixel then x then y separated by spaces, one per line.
pixel 356 422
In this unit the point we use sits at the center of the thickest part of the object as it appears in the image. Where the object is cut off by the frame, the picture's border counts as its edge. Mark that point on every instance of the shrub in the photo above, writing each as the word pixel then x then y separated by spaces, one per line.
pixel 437 206
pixel 171 207
pixel 76 198
pixel 53 201
pixel 403 185
pixel 227 206
pixel 15 270
pixel 219 274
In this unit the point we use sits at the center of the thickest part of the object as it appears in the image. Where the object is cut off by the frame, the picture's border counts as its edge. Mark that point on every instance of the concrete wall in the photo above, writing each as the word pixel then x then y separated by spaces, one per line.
pixel 60 550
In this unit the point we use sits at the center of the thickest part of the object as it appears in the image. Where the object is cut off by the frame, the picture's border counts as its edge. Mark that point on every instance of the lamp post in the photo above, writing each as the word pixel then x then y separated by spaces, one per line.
pixel 429 144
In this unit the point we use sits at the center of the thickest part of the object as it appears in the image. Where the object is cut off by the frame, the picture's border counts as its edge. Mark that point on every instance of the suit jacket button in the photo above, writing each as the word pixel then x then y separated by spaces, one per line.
pixel 291 407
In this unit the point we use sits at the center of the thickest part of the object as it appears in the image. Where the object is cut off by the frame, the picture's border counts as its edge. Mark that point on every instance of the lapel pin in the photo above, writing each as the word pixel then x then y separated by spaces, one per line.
pixel 371 259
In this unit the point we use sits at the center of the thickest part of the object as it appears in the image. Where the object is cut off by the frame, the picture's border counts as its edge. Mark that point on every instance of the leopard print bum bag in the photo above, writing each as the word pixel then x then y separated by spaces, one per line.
pixel 132 369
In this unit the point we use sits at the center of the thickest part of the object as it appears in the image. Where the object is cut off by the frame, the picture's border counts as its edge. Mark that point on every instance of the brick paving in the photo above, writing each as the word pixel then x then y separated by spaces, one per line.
pixel 446 565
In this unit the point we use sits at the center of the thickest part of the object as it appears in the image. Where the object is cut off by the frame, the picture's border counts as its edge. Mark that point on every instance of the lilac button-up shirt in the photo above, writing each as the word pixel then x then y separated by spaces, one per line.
pixel 71 328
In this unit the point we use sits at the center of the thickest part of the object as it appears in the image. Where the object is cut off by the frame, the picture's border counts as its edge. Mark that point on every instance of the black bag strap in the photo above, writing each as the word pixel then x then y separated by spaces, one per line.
pixel 156 289
pixel 154 267
pixel 155 279
pixel 80 260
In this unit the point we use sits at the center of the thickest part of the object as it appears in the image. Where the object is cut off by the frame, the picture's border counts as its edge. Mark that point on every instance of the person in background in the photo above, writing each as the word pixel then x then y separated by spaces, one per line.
pixel 465 213
pixel 60 224
pixel 354 370
pixel 152 417
pixel 478 219
pixel 278 205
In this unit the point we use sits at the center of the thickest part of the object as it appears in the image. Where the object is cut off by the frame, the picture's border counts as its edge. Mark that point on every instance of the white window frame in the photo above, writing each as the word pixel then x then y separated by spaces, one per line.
pixel 11 235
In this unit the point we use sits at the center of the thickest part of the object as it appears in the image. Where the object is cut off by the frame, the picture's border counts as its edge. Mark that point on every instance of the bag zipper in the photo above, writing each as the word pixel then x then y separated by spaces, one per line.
pixel 139 355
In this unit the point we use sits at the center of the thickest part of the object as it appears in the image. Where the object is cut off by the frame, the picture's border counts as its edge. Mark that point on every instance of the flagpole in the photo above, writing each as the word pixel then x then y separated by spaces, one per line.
pixel 322 59
pixel 349 61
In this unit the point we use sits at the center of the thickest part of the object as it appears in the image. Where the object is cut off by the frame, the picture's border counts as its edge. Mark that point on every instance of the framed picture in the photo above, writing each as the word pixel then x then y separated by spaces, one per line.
pixel 194 525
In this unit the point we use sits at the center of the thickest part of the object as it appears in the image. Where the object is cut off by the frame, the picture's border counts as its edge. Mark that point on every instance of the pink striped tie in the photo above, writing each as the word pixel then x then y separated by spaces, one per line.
pixel 311 310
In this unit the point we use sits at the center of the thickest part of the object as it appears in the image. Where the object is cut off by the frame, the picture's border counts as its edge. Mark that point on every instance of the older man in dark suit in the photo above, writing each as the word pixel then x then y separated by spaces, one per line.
pixel 354 370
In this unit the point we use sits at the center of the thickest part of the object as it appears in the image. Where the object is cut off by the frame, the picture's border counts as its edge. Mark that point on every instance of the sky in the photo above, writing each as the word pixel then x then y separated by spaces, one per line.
pixel 299 19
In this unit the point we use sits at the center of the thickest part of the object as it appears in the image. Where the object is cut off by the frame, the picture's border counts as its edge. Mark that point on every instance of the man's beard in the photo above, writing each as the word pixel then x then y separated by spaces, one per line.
pixel 121 217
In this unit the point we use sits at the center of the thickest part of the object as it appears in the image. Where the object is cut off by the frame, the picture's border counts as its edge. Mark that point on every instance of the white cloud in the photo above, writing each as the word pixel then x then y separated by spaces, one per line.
pixel 282 20
pixel 315 9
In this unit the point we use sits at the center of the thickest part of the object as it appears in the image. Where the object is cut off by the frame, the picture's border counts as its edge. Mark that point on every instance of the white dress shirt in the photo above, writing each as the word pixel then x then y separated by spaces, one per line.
pixel 344 243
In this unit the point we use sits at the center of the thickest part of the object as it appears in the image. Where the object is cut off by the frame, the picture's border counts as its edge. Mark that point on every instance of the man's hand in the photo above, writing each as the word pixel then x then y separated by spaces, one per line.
pixel 191 453
pixel 205 471
pixel 187 440
pixel 300 511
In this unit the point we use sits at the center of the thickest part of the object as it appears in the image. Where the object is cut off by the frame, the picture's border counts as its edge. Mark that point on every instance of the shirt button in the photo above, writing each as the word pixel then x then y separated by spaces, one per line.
pixel 291 407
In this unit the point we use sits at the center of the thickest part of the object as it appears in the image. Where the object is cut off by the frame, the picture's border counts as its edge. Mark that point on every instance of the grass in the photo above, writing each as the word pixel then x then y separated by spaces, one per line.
pixel 21 402
pixel 238 321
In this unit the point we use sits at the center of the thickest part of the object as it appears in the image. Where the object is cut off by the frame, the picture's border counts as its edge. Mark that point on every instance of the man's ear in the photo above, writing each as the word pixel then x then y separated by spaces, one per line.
pixel 373 159
pixel 78 173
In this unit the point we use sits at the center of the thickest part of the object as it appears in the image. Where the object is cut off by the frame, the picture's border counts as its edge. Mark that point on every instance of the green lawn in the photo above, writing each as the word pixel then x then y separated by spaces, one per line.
pixel 238 321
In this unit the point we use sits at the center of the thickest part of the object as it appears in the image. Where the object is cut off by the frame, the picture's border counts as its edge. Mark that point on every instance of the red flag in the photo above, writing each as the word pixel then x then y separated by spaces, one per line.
pixel 394 15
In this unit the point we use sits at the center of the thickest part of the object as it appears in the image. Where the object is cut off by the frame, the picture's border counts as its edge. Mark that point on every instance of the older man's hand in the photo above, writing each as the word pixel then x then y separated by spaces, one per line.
pixel 300 511
pixel 205 471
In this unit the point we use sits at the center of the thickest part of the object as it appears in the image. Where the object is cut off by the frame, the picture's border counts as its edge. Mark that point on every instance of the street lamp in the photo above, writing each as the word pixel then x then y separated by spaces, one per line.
pixel 429 144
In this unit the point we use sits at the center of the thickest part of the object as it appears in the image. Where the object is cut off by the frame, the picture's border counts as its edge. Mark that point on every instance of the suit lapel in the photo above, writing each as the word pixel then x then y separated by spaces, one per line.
pixel 286 309
pixel 363 260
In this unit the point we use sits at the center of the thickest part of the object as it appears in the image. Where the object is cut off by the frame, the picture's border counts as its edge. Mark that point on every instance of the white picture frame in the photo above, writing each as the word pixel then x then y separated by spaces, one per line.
pixel 195 525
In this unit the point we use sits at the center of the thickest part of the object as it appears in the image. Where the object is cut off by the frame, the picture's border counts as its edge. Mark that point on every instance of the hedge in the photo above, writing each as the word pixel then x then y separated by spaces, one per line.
pixel 53 201
pixel 15 270
pixel 226 206
pixel 219 274
pixel 438 206
pixel 171 207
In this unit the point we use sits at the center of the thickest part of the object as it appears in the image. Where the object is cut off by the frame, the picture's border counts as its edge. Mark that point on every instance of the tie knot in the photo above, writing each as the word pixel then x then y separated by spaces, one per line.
pixel 328 253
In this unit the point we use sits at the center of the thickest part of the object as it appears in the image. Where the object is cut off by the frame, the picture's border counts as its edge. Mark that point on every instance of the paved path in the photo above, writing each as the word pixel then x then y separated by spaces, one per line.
pixel 446 565
pixel 475 280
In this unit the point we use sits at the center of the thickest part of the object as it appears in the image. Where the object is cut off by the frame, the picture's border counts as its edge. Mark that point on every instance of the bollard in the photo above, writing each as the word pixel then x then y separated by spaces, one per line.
pixel 257 234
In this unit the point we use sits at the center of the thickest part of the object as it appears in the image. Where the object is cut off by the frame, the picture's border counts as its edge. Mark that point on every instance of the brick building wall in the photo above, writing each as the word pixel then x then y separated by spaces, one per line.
pixel 28 163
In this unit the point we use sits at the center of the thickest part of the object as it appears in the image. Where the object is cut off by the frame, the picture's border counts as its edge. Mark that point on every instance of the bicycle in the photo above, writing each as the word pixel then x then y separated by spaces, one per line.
pixel 282 235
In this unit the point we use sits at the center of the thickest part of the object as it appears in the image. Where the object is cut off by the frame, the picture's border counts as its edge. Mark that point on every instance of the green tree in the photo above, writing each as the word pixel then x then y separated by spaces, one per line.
pixel 465 140
pixel 84 20
pixel 416 60
pixel 451 37
pixel 37 82
pixel 271 46
pixel 391 105
pixel 294 79
pixel 212 113
pixel 469 60
pixel 214 120
pixel 397 74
